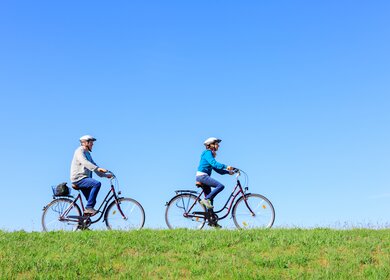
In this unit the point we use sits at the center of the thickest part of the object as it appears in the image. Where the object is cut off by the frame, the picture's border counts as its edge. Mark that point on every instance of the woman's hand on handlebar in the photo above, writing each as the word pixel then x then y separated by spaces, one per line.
pixel 232 170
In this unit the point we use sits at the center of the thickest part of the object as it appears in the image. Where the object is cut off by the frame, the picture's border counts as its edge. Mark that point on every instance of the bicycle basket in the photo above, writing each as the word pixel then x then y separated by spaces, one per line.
pixel 61 190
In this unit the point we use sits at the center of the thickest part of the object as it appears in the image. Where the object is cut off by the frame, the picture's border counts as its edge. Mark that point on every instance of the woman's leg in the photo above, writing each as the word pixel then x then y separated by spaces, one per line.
pixel 207 180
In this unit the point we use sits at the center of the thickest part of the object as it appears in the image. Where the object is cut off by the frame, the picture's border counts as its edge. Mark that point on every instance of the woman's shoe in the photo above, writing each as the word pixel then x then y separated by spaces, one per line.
pixel 207 203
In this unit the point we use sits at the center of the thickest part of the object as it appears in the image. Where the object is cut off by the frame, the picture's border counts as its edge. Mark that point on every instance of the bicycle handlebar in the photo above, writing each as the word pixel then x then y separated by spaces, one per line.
pixel 239 172
pixel 111 173
pixel 236 171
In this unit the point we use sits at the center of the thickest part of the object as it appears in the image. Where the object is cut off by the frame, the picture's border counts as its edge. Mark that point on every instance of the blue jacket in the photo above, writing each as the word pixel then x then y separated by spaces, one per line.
pixel 208 163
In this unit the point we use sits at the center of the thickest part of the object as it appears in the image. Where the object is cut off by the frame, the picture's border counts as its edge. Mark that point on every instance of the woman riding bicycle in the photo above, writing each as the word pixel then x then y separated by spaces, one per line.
pixel 206 165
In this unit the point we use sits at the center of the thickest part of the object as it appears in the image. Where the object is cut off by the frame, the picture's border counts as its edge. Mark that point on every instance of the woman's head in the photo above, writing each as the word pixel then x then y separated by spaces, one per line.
pixel 212 143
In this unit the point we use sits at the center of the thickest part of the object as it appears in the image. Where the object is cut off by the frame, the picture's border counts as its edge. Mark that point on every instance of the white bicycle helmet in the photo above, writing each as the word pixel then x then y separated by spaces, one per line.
pixel 211 140
pixel 87 138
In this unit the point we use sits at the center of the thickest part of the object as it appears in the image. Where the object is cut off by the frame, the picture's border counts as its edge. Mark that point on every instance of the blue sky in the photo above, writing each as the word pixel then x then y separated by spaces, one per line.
pixel 297 90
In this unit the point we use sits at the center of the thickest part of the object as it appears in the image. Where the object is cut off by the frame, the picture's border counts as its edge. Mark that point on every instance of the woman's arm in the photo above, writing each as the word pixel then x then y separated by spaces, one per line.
pixel 211 160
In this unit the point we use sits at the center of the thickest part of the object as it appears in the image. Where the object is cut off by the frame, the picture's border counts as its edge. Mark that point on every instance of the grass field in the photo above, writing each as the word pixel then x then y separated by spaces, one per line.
pixel 209 254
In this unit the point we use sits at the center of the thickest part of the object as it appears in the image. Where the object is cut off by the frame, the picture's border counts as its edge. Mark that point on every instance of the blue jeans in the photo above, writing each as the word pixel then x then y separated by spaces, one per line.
pixel 90 188
pixel 207 180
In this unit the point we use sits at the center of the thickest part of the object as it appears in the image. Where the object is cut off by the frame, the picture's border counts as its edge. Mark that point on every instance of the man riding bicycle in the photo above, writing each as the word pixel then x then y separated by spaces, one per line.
pixel 81 173
pixel 206 165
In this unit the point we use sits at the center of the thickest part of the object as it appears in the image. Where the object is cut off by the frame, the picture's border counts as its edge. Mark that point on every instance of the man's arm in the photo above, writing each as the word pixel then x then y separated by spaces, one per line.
pixel 101 172
pixel 84 161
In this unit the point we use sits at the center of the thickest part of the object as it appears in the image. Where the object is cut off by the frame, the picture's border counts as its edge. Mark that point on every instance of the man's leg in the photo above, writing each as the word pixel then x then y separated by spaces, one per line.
pixel 91 185
pixel 86 192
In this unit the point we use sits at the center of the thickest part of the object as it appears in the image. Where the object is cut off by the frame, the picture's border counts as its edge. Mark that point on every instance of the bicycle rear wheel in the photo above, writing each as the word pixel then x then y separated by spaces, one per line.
pixel 255 211
pixel 55 215
pixel 127 215
pixel 182 205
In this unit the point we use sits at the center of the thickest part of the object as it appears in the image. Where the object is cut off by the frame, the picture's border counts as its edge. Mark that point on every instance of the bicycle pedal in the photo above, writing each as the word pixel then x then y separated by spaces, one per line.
pixel 88 215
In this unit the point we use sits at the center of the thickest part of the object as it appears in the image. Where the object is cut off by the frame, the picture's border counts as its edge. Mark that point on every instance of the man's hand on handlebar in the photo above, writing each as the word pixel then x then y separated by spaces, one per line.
pixel 105 171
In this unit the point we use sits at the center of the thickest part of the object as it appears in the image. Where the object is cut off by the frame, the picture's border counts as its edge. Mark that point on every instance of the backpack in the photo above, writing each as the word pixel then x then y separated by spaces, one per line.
pixel 61 190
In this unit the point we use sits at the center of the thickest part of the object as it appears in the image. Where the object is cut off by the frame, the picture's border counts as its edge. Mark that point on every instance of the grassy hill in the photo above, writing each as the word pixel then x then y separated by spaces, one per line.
pixel 211 254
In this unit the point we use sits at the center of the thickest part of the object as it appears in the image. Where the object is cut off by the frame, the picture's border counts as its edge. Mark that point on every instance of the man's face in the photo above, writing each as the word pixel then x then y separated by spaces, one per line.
pixel 88 145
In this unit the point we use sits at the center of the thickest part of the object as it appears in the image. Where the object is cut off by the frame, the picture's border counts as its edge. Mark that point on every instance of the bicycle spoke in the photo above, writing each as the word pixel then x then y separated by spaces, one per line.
pixel 130 216
pixel 55 215
pixel 179 212
pixel 260 213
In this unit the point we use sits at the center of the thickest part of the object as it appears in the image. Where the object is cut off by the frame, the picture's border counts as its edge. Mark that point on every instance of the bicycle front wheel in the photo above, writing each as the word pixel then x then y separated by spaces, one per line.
pixel 253 211
pixel 128 214
pixel 180 212
pixel 57 215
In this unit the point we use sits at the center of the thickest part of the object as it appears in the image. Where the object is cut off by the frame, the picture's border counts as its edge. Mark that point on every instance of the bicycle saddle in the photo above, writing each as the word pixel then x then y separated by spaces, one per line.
pixel 204 187
pixel 75 187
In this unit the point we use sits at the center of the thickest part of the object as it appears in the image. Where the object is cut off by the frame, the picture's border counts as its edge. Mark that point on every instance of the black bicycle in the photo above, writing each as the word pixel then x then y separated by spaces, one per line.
pixel 250 210
pixel 119 213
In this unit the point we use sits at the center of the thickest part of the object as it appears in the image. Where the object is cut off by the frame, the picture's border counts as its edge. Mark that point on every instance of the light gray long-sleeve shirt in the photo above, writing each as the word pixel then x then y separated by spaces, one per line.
pixel 83 165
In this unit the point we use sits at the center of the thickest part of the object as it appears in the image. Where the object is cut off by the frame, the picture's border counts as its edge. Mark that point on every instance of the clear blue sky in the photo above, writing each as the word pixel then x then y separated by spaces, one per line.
pixel 298 91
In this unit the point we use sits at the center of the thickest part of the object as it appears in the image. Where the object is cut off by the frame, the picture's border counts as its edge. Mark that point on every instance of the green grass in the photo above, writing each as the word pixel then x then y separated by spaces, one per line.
pixel 211 254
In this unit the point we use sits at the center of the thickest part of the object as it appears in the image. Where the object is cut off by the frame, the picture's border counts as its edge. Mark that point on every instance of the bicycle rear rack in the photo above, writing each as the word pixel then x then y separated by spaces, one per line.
pixel 185 191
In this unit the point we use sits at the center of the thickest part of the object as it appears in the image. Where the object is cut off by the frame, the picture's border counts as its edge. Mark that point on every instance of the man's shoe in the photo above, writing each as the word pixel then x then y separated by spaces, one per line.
pixel 207 203
pixel 217 226
pixel 90 211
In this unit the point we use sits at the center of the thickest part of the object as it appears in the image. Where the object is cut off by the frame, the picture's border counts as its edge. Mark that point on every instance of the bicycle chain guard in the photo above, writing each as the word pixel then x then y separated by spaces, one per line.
pixel 212 218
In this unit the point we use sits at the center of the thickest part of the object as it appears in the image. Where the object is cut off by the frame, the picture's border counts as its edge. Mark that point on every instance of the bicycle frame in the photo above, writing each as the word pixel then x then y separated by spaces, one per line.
pixel 104 205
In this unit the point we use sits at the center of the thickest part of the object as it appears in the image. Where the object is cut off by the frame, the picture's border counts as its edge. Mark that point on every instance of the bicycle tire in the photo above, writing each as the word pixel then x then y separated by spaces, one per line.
pixel 178 206
pixel 54 210
pixel 263 215
pixel 134 215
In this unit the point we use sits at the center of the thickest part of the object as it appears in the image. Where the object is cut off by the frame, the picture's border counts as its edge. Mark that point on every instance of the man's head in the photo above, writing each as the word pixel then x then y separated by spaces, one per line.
pixel 87 142
pixel 212 143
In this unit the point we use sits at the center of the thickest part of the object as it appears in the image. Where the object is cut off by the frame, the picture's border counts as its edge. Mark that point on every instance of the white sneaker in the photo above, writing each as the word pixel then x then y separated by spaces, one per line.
pixel 207 203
